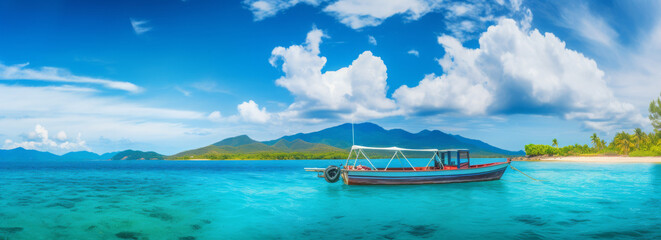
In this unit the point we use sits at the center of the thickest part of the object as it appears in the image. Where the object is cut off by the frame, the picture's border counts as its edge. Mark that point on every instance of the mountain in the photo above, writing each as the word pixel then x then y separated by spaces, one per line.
pixel 137 155
pixel 370 134
pixel 245 145
pixel 79 156
pixel 107 156
pixel 22 154
pixel 235 141
pixel 85 155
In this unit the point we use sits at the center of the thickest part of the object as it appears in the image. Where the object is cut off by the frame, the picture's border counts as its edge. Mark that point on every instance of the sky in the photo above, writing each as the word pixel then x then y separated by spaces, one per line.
pixel 173 75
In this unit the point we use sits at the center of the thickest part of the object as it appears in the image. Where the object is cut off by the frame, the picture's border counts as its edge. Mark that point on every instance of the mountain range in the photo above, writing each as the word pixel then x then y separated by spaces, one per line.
pixel 330 140
pixel 22 154
pixel 370 134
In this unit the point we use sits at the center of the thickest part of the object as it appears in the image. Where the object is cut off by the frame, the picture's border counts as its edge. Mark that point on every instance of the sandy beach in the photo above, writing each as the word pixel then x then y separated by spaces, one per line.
pixel 596 159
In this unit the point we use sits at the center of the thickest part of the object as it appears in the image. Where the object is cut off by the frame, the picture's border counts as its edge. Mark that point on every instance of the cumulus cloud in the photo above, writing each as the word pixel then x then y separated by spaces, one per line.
pixel 266 8
pixel 371 40
pixel 414 52
pixel 516 71
pixel 250 112
pixel 40 140
pixel 140 26
pixel 53 74
pixel 356 90
pixel 358 14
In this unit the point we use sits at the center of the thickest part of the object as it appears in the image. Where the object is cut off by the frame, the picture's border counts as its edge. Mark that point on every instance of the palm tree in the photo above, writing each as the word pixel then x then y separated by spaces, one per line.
pixel 638 135
pixel 623 142
pixel 595 141
pixel 603 144
pixel 555 143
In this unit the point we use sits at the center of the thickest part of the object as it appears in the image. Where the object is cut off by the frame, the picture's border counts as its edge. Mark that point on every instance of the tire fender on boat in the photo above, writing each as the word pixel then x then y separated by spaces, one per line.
pixel 332 174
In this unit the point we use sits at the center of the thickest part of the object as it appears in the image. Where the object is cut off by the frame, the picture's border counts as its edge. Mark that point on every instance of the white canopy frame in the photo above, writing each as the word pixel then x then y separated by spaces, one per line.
pixel 358 150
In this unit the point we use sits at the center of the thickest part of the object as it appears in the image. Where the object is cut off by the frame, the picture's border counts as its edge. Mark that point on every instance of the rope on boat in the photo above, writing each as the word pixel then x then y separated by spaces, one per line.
pixel 513 168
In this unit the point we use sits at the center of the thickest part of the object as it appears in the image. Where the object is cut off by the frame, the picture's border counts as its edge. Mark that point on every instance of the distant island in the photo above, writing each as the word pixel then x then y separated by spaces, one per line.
pixel 329 143
pixel 623 146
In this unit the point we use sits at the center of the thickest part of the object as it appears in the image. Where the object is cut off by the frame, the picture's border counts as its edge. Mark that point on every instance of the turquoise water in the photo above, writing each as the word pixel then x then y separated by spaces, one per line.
pixel 278 200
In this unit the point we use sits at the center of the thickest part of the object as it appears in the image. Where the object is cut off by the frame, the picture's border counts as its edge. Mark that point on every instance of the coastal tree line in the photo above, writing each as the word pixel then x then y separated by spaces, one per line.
pixel 266 155
pixel 637 143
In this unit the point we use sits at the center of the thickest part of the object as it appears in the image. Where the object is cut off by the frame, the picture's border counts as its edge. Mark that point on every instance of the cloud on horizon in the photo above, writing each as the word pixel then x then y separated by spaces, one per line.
pixel 72 110
pixel 40 140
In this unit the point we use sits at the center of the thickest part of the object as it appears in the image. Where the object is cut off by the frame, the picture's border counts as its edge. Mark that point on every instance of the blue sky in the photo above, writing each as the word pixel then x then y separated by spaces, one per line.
pixel 173 75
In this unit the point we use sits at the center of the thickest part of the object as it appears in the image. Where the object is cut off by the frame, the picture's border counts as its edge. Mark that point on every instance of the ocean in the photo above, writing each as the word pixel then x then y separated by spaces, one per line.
pixel 278 200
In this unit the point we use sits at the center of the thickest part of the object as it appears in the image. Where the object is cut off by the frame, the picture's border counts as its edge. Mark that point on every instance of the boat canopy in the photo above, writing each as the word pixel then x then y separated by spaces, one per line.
pixel 356 147
pixel 439 155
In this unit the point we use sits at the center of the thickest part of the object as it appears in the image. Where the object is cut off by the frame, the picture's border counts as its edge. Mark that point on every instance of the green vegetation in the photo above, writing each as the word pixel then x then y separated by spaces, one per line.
pixel 244 148
pixel 266 156
pixel 636 144
pixel 137 155
pixel 655 114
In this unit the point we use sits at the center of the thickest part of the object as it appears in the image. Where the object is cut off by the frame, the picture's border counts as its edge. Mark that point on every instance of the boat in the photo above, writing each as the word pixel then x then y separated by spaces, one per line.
pixel 444 166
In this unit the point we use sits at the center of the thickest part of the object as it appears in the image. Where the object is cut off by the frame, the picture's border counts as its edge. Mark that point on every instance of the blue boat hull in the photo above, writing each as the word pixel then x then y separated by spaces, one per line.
pixel 488 173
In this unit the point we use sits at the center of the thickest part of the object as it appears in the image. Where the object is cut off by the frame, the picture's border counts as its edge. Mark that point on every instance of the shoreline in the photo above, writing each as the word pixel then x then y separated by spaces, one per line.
pixel 593 159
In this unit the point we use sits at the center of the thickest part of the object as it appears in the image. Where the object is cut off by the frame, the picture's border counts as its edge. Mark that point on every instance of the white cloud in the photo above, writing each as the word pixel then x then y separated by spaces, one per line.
pixel 215 116
pixel 95 116
pixel 183 91
pixel 50 101
pixel 371 40
pixel 39 140
pixel 516 4
pixel 358 14
pixel 140 26
pixel 266 8
pixel 414 52
pixel 589 26
pixel 636 74
pixel 62 136
pixel 52 74
pixel 359 89
pixel 250 112
pixel 515 71
pixel 465 20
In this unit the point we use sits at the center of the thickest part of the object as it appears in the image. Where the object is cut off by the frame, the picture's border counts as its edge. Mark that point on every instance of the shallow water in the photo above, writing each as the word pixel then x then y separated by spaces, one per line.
pixel 278 200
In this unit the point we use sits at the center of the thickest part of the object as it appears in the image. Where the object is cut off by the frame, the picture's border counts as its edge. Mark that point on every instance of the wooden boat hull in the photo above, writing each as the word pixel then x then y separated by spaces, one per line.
pixel 476 174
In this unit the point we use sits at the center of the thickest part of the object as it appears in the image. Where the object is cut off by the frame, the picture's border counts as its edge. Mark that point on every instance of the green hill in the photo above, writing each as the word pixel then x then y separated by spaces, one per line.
pixel 236 141
pixel 243 147
pixel 137 155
